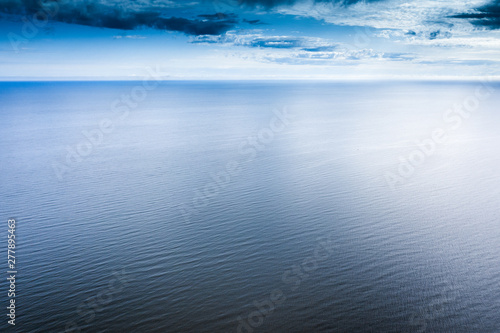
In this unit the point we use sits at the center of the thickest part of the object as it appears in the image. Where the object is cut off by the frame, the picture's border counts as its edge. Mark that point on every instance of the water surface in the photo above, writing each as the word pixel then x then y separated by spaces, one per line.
pixel 307 212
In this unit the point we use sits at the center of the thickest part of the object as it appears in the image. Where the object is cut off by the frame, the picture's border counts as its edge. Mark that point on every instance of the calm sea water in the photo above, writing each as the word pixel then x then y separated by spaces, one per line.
pixel 252 207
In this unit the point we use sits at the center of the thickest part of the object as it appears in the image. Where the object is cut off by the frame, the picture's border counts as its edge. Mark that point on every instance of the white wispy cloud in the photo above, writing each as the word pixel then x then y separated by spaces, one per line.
pixel 129 37
pixel 300 50
pixel 389 14
pixel 258 39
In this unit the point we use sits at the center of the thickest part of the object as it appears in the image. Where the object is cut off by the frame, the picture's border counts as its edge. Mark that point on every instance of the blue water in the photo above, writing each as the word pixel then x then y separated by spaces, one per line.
pixel 252 206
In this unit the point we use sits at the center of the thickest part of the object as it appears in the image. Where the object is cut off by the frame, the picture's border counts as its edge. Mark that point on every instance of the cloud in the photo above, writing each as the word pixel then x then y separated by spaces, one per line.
pixel 327 48
pixel 253 22
pixel 276 42
pixel 419 16
pixel 341 57
pixel 302 50
pixel 115 15
pixel 460 62
pixel 487 16
pixel 483 43
pixel 193 27
pixel 219 16
pixel 275 3
pixel 260 41
pixel 129 37
pixel 427 16
pixel 252 40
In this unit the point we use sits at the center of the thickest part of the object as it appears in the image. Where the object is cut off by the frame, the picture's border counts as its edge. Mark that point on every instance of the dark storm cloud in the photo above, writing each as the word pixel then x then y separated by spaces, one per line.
pixel 487 16
pixel 219 16
pixel 193 27
pixel 153 14
pixel 100 14
pixel 253 22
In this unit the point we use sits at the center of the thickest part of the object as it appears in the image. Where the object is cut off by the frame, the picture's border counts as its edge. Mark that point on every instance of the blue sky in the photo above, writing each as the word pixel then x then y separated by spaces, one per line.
pixel 249 39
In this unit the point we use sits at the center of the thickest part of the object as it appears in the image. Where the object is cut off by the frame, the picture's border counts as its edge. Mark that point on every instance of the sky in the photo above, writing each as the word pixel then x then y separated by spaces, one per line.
pixel 249 39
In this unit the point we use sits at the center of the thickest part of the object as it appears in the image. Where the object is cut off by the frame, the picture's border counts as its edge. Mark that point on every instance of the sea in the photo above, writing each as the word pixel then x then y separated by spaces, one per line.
pixel 251 206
